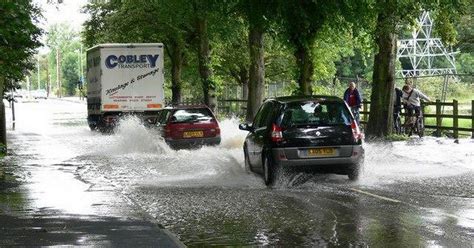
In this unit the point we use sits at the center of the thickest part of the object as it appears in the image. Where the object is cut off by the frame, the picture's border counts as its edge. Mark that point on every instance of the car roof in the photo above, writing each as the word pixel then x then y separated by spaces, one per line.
pixel 184 106
pixel 288 99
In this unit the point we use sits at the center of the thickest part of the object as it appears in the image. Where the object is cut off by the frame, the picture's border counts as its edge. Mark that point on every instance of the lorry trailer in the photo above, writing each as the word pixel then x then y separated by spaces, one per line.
pixel 123 79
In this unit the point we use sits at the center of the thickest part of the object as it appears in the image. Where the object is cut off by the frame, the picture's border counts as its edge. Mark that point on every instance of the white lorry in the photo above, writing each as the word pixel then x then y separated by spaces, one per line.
pixel 123 79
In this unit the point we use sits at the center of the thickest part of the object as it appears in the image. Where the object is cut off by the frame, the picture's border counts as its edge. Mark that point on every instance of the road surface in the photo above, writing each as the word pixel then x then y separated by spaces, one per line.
pixel 416 193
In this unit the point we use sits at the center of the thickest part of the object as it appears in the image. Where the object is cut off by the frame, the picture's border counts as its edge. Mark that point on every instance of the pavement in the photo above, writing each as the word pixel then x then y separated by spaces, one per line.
pixel 44 206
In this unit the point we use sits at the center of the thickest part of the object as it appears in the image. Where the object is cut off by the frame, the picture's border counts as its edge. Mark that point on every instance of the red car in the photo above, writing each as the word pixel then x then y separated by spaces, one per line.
pixel 187 126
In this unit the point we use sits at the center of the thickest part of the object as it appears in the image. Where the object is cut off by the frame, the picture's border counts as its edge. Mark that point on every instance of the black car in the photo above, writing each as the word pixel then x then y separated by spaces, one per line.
pixel 316 133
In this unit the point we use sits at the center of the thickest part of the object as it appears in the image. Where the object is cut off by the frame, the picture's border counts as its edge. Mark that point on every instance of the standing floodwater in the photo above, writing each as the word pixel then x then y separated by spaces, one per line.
pixel 412 193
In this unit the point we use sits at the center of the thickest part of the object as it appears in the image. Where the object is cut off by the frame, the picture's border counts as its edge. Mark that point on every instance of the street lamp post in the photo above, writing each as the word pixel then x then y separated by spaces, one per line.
pixel 39 83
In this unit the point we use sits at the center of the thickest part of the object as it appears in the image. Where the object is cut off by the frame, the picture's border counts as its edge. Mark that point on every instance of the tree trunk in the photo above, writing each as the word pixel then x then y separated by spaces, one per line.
pixel 3 125
pixel 204 58
pixel 256 72
pixel 177 59
pixel 381 108
pixel 241 77
pixel 48 79
pixel 304 62
pixel 58 73
pixel 244 82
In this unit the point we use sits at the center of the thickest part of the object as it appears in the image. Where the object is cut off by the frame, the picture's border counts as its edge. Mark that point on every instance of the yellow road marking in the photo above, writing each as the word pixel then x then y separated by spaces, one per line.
pixel 397 201
pixel 374 195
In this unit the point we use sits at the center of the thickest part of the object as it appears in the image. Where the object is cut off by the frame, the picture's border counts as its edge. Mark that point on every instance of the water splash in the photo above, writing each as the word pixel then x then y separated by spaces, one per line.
pixel 416 159
pixel 140 156
pixel 143 156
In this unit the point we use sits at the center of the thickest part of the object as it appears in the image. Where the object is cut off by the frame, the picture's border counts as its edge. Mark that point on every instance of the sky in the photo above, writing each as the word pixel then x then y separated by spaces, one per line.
pixel 67 12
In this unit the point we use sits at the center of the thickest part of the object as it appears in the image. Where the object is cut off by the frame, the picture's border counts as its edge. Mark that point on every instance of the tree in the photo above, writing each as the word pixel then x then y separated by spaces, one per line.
pixel 257 14
pixel 62 40
pixel 233 57
pixel 202 10
pixel 302 23
pixel 69 70
pixel 18 39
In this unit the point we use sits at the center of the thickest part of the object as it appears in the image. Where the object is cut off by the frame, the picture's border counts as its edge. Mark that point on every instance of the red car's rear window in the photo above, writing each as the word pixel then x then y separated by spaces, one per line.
pixel 191 115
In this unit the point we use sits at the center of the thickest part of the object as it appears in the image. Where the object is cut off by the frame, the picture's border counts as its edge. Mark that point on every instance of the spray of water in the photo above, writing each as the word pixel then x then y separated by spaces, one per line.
pixel 140 156
pixel 417 159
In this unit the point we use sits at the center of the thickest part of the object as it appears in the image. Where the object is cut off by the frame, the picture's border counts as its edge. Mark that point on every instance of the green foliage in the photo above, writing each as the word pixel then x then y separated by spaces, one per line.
pixel 341 35
pixel 465 63
pixel 70 77
pixel 456 90
pixel 465 30
pixel 18 38
pixel 62 38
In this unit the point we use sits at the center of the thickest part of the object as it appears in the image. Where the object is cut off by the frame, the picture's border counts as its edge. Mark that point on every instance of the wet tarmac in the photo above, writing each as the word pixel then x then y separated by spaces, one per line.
pixel 412 193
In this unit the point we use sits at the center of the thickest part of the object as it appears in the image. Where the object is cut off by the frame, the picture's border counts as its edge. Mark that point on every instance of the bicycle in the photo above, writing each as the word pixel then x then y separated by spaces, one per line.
pixel 397 123
pixel 414 125
pixel 356 114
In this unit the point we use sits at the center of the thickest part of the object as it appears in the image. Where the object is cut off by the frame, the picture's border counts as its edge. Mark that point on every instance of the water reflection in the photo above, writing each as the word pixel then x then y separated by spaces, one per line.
pixel 12 199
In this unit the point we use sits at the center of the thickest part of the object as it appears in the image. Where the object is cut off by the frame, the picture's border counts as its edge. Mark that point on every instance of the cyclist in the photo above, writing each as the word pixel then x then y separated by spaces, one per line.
pixel 412 100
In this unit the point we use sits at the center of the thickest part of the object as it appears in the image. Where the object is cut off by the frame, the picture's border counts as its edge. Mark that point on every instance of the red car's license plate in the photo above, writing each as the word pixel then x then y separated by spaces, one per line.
pixel 193 134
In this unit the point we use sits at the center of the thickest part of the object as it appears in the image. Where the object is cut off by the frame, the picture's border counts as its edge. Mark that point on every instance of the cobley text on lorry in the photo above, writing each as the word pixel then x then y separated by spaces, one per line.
pixel 131 61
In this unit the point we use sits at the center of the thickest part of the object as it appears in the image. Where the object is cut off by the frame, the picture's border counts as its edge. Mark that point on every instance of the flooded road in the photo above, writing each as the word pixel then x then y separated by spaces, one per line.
pixel 411 193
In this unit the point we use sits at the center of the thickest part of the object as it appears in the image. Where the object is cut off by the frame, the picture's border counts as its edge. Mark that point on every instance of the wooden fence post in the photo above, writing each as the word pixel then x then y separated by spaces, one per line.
pixel 423 107
pixel 455 119
pixel 364 103
pixel 472 119
pixel 438 118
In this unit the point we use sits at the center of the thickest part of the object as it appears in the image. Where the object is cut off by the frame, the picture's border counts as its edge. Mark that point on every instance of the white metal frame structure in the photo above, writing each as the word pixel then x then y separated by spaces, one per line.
pixel 423 50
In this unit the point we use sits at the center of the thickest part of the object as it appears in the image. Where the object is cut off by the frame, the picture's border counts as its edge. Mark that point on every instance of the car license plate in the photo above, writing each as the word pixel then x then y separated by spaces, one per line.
pixel 193 134
pixel 321 152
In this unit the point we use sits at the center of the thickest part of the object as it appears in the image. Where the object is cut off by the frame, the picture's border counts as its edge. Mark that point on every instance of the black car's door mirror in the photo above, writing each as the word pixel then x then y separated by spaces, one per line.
pixel 246 127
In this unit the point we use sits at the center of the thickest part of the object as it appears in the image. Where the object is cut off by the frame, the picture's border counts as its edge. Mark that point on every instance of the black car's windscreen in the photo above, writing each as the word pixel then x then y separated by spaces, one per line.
pixel 191 115
pixel 315 113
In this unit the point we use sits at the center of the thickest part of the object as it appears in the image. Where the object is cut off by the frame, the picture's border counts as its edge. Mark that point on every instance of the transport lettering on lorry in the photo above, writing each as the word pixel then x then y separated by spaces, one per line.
pixel 131 61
